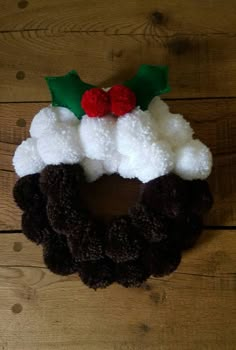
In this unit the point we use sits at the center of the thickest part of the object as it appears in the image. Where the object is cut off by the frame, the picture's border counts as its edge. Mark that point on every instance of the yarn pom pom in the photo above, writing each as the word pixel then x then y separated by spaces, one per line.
pixel 26 159
pixel 27 193
pixel 161 260
pixel 57 256
pixel 60 145
pixel 150 226
pixel 131 273
pixel 122 242
pixel 123 100
pixel 35 226
pixel 96 102
pixel 193 161
pixel 201 197
pixel 97 274
pixel 166 195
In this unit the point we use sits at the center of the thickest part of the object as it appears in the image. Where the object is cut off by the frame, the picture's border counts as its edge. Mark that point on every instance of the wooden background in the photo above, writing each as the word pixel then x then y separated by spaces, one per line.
pixel 106 41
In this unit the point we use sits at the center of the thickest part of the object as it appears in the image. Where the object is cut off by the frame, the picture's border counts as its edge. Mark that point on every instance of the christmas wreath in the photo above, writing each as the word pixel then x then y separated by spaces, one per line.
pixel 126 129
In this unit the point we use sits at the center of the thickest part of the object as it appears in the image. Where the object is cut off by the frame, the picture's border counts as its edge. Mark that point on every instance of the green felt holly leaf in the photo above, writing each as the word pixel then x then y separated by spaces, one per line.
pixel 149 82
pixel 67 91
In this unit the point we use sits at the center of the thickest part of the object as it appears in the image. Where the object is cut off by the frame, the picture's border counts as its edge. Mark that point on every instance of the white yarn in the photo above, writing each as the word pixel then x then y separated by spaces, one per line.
pixel 26 159
pixel 193 161
pixel 97 136
pixel 141 144
pixel 60 145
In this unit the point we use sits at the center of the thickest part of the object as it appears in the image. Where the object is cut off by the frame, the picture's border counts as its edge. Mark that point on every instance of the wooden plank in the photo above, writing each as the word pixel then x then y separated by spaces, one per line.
pixel 200 65
pixel 194 308
pixel 133 17
pixel 214 122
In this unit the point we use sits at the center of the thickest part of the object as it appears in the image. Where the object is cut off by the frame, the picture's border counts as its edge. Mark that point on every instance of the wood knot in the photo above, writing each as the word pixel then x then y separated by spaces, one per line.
pixel 158 18
pixel 144 327
pixel 21 122
pixel 179 46
pixel 23 4
pixel 20 75
pixel 16 308
pixel 17 247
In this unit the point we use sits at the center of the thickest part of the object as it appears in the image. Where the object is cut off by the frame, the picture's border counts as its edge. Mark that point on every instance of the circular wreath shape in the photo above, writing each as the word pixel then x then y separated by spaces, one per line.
pixel 148 240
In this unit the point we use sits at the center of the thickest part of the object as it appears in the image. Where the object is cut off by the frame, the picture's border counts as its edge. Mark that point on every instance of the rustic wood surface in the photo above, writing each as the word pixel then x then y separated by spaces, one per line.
pixel 194 308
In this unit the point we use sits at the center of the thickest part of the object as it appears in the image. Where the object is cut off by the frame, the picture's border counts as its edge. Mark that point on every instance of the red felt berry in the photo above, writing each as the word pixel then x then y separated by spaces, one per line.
pixel 96 102
pixel 123 100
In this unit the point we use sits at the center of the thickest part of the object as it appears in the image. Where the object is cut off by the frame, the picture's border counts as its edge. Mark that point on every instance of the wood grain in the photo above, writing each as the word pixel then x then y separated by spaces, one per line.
pixel 200 65
pixel 193 308
pixel 122 18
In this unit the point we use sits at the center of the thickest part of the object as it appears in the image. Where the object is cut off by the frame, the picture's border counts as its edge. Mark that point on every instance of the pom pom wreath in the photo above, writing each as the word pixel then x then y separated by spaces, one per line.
pixel 122 242
pixel 96 102
pixel 60 145
pixel 193 161
pixel 97 137
pixel 148 240
pixel 26 159
pixel 123 100
pixel 97 274
pixel 57 256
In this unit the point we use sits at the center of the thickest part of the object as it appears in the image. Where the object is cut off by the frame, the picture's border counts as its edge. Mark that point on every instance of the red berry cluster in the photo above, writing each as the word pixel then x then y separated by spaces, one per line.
pixel 118 101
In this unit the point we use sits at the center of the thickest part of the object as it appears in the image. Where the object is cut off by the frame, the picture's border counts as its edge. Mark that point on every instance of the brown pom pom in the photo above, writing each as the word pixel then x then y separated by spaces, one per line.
pixel 35 226
pixel 60 181
pixel 88 243
pixel 57 256
pixel 201 197
pixel 161 259
pixel 122 243
pixel 131 273
pixel 97 274
pixel 27 193
pixel 152 227
pixel 167 195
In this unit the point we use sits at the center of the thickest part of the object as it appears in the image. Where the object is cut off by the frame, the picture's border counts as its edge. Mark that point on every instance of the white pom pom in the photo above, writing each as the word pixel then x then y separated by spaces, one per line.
pixel 158 160
pixel 60 145
pixel 44 120
pixel 48 117
pixel 126 168
pixel 97 137
pixel 93 169
pixel 134 132
pixel 157 107
pixel 26 159
pixel 174 129
pixel 111 165
pixel 193 161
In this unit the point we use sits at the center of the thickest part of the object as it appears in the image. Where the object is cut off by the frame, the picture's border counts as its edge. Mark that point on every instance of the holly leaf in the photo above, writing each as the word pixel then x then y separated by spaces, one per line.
pixel 149 82
pixel 67 91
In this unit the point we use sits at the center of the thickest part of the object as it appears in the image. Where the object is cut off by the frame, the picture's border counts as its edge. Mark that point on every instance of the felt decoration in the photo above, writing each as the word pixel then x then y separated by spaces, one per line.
pixel 67 91
pixel 128 130
pixel 149 82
